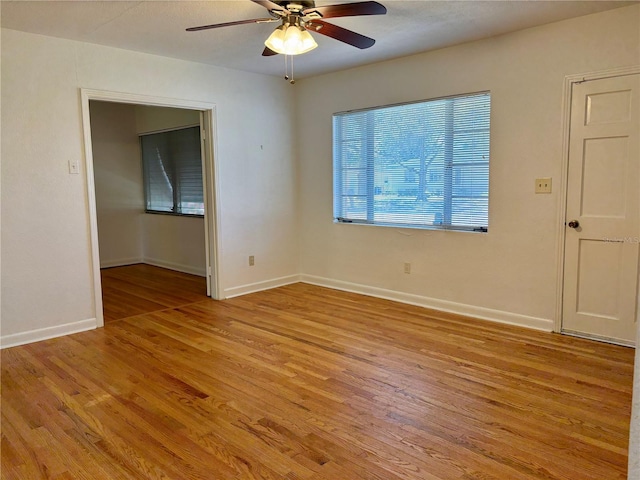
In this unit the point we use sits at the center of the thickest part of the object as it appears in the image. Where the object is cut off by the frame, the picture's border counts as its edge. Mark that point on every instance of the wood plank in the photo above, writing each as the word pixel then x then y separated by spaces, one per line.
pixel 303 382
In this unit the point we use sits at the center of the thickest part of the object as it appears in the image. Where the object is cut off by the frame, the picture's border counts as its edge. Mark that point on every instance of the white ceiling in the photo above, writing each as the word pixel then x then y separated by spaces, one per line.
pixel 158 27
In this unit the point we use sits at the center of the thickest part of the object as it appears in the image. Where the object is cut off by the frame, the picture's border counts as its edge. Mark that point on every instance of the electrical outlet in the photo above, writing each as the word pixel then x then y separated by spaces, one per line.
pixel 543 185
pixel 407 268
pixel 252 260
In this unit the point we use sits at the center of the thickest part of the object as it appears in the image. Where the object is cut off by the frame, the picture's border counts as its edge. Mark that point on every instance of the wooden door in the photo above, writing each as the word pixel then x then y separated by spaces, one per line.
pixel 602 216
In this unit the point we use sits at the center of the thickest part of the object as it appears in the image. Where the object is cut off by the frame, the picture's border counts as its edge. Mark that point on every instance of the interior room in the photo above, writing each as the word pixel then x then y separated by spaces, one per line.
pixel 321 342
pixel 130 236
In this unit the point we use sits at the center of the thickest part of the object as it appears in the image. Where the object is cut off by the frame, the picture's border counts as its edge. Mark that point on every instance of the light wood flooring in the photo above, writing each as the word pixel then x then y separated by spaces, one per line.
pixel 303 382
pixel 141 288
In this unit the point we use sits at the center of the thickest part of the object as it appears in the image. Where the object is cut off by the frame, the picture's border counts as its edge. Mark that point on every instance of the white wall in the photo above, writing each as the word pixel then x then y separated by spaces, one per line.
pixel 174 242
pixel 46 271
pixel 509 274
pixel 151 119
pixel 118 183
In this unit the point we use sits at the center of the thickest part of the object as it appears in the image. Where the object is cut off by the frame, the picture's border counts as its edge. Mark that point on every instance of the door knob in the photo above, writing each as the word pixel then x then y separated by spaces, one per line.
pixel 573 224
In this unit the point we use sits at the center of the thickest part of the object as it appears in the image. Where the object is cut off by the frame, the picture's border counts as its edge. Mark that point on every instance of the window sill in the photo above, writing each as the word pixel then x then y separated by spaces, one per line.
pixel 172 214
pixel 414 227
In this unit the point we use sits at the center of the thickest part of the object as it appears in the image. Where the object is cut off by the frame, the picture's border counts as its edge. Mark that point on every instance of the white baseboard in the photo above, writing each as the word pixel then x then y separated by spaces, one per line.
pixel 499 316
pixel 178 267
pixel 31 336
pixel 121 262
pixel 259 286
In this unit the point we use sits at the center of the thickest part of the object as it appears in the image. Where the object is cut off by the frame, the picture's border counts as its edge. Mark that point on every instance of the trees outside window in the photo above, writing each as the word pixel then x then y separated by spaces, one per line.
pixel 421 165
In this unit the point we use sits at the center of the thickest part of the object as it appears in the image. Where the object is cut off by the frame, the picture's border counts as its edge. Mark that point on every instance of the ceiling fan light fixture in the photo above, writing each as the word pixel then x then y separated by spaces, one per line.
pixel 290 40
pixel 307 41
pixel 275 41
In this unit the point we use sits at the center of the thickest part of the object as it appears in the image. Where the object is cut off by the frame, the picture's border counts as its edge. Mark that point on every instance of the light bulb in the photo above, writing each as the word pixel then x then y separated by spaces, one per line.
pixel 275 42
pixel 308 43
pixel 292 40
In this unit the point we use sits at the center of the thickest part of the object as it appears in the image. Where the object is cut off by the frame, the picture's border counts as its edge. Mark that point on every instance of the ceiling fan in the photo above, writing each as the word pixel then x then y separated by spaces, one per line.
pixel 298 17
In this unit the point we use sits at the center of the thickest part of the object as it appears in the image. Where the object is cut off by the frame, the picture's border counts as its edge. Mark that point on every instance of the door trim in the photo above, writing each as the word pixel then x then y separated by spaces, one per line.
pixel 569 81
pixel 212 225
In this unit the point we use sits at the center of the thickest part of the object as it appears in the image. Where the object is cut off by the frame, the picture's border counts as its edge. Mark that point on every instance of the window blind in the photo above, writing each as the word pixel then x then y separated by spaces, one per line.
pixel 422 164
pixel 172 170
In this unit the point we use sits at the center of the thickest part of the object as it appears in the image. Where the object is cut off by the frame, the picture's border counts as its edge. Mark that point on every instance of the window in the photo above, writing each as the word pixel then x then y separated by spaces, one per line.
pixel 172 170
pixel 419 165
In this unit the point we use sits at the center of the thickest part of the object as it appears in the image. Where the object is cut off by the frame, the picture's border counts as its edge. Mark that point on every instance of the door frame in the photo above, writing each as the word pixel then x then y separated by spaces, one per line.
pixel 210 183
pixel 569 81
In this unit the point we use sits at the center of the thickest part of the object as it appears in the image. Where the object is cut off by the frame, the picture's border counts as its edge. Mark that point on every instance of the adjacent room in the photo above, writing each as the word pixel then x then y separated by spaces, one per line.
pixel 320 240
pixel 148 230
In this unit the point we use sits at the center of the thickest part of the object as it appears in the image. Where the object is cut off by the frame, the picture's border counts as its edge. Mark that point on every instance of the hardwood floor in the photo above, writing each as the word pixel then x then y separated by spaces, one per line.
pixel 302 382
pixel 141 288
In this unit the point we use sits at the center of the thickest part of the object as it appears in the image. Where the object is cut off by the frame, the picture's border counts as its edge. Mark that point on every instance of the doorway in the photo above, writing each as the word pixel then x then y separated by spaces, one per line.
pixel 207 224
pixel 602 228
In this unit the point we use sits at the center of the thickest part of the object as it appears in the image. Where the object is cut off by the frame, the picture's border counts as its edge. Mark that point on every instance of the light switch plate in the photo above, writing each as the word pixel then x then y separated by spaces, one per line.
pixel 74 167
pixel 543 185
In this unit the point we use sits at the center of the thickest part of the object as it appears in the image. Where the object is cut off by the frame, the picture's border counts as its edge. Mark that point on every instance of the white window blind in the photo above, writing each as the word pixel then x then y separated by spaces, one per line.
pixel 421 165
pixel 172 170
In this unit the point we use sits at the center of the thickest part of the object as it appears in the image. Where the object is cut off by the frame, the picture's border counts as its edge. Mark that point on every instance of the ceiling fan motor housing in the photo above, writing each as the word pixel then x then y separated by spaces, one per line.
pixel 303 3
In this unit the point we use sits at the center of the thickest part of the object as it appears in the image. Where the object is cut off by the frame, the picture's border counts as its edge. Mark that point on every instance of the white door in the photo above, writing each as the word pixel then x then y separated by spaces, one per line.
pixel 603 210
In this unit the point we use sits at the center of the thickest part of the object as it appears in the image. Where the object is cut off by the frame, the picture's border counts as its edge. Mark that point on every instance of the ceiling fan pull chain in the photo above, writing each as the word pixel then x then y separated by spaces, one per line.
pixel 292 81
pixel 286 67
pixel 288 62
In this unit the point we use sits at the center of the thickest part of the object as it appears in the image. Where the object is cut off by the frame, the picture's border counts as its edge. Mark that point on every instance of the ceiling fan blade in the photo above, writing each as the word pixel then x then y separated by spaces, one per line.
pixel 267 52
pixel 229 24
pixel 339 33
pixel 270 5
pixel 348 10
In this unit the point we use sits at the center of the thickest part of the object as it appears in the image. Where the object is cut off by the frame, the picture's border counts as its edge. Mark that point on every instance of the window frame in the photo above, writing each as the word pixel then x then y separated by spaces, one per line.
pixel 175 194
pixel 370 160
